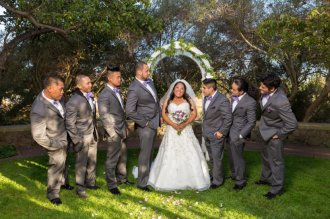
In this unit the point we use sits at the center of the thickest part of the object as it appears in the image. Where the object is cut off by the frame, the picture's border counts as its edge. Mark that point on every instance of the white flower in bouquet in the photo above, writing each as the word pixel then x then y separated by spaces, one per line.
pixel 179 116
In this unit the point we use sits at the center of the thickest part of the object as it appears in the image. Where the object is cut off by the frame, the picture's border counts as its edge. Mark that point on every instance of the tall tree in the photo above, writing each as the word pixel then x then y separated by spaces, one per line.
pixel 292 34
pixel 27 19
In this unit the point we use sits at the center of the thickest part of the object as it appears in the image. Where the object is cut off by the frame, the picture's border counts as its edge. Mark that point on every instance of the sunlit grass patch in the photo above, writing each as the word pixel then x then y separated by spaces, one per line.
pixel 23 194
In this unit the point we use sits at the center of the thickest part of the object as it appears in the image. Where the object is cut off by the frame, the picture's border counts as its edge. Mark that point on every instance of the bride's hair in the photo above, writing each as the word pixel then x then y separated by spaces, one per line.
pixel 185 96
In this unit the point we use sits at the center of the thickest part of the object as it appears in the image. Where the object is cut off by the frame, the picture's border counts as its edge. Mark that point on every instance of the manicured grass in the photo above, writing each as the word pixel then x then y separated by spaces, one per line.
pixel 23 186
pixel 7 151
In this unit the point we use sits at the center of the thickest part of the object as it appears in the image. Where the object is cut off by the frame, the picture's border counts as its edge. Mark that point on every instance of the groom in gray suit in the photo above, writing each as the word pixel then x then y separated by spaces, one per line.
pixel 48 130
pixel 143 108
pixel 276 122
pixel 81 126
pixel 217 119
pixel 244 119
pixel 112 115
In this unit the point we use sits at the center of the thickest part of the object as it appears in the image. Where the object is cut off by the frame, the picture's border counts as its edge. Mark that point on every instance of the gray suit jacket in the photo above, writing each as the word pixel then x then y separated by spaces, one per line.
pixel 112 114
pixel 277 117
pixel 217 117
pixel 141 106
pixel 244 118
pixel 80 118
pixel 48 125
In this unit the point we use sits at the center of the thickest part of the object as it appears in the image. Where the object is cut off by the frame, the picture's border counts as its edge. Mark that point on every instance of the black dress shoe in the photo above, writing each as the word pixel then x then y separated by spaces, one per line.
pixel 261 183
pixel 56 201
pixel 271 195
pixel 239 187
pixel 214 186
pixel 67 187
pixel 115 191
pixel 93 187
pixel 146 189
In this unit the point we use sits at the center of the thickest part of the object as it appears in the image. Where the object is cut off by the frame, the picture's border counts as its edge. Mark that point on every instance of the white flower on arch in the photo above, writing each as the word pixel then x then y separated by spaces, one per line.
pixel 180 47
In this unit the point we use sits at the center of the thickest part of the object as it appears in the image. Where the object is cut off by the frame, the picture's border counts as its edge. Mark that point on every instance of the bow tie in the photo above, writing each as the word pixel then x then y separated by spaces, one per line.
pixel 116 90
pixel 266 96
pixel 208 98
pixel 235 98
pixel 55 102
pixel 89 95
pixel 146 82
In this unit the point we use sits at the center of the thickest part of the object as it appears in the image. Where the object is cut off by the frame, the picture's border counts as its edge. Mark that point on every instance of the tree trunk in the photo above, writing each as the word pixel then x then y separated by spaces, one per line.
pixel 9 47
pixel 293 75
pixel 294 92
pixel 311 110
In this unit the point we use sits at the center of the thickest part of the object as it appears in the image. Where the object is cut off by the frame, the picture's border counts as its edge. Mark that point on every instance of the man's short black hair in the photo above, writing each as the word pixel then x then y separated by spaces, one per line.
pixel 210 82
pixel 111 69
pixel 51 79
pixel 241 83
pixel 271 81
pixel 139 65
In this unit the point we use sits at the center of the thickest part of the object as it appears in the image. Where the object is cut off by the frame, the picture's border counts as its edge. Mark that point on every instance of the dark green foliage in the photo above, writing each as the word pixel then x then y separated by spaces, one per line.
pixel 7 151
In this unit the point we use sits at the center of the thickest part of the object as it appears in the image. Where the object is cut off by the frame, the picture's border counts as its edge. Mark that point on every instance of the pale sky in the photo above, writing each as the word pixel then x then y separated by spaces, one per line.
pixel 1 13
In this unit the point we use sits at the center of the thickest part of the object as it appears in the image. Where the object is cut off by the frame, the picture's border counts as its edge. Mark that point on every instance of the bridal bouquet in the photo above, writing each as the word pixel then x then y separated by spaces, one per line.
pixel 179 116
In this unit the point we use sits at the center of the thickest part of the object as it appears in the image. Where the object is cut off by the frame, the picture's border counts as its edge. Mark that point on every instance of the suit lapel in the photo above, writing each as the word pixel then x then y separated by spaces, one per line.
pixel 114 94
pixel 239 102
pixel 52 107
pixel 83 96
pixel 204 101
pixel 212 101
pixel 260 103
pixel 146 89
pixel 267 103
pixel 153 89
pixel 269 100
pixel 63 105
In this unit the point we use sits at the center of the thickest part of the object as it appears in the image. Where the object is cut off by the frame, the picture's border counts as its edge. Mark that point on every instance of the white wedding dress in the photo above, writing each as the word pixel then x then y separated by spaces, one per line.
pixel 180 163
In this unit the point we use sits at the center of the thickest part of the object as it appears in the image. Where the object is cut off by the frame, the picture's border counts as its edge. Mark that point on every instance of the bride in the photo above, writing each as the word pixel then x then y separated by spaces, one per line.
pixel 180 163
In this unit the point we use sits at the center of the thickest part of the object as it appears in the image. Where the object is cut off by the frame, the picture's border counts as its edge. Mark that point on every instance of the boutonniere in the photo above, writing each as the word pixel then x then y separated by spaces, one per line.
pixel 269 110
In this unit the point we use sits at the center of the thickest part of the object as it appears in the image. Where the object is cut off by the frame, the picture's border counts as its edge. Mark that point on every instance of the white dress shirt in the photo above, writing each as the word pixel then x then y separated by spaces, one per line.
pixel 236 102
pixel 149 88
pixel 265 99
pixel 90 100
pixel 234 106
pixel 117 94
pixel 207 103
pixel 55 103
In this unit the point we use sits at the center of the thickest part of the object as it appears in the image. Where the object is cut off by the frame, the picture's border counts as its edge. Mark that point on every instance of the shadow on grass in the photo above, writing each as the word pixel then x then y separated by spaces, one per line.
pixel 23 187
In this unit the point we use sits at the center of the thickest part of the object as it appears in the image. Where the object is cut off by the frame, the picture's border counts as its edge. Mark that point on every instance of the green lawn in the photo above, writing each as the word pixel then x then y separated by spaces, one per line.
pixel 23 185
